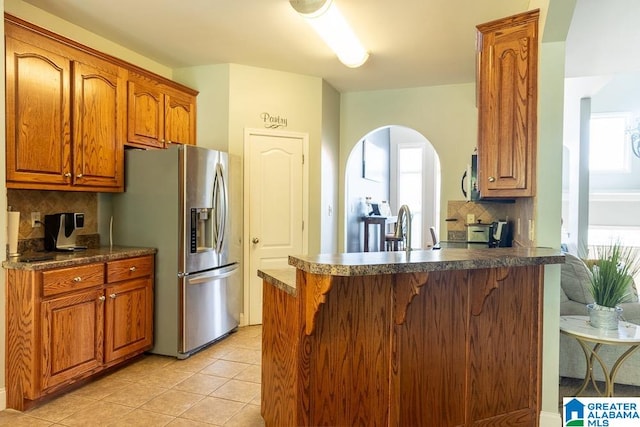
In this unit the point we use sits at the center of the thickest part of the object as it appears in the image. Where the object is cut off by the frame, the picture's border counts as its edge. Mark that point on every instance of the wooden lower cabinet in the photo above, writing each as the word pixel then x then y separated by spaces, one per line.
pixel 128 326
pixel 65 325
pixel 443 348
pixel 71 336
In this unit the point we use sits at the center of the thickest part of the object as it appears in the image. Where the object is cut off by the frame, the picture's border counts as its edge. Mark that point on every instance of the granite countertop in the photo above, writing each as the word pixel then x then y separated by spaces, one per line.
pixel 35 261
pixel 284 279
pixel 371 263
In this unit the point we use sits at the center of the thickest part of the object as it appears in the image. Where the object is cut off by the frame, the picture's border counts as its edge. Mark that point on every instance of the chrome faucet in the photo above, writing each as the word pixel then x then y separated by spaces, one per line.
pixel 404 217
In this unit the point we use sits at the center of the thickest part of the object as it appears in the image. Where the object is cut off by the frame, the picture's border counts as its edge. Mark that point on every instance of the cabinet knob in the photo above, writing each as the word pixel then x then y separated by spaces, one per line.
pixel 492 179
pixel 132 268
pixel 67 175
pixel 79 175
pixel 102 298
pixel 77 279
pixel 255 241
pixel 112 296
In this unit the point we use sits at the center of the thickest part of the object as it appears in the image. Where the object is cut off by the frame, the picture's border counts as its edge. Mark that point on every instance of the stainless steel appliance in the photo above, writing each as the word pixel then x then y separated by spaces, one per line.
pixel 176 200
pixel 469 183
pixel 60 231
pixel 478 233
pixel 500 234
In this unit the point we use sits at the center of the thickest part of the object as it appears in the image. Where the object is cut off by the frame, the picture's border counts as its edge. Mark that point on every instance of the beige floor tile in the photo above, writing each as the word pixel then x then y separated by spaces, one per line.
pixel 141 418
pixel 257 400
pixel 213 410
pixel 244 355
pixel 239 391
pixel 165 378
pixel 101 388
pixel 201 384
pixel 249 416
pixel 172 402
pixel 183 422
pixel 225 368
pixel 252 374
pixel 12 418
pixel 135 395
pixel 60 408
pixel 99 414
pixel 195 363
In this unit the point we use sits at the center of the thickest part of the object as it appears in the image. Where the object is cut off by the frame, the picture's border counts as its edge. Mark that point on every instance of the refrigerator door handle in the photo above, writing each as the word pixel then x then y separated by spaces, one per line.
pixel 217 274
pixel 220 205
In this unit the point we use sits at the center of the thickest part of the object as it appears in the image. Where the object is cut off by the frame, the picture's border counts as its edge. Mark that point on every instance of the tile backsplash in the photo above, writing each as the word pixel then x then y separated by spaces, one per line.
pixel 49 202
pixel 485 212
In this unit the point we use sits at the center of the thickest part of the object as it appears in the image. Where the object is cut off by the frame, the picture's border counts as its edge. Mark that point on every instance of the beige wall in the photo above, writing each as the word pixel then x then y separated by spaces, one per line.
pixel 445 115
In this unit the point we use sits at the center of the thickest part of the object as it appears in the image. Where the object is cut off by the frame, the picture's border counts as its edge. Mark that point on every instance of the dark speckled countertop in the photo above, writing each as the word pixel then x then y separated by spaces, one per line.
pixel 35 261
pixel 372 263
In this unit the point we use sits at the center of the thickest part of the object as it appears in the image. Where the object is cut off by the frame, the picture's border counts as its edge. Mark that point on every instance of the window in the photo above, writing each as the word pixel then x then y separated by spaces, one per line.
pixel 608 151
pixel 410 179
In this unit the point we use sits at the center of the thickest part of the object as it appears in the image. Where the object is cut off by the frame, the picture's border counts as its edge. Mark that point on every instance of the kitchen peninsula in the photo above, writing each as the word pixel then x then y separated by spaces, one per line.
pixel 447 337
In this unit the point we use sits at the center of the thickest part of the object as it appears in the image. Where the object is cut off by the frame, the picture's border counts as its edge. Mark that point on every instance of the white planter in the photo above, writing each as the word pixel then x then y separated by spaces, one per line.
pixel 604 317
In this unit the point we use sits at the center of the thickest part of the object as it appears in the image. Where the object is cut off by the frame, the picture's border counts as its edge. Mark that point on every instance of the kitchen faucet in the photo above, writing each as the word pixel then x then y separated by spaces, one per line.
pixel 404 217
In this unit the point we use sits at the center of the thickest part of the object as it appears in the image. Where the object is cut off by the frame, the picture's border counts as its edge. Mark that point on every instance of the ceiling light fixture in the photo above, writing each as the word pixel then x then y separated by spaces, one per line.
pixel 328 22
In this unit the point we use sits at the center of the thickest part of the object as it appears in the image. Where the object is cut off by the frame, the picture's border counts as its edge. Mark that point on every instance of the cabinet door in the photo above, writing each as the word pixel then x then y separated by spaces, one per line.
pixel 38 116
pixel 72 341
pixel 504 314
pixel 99 121
pixel 128 318
pixel 180 118
pixel 507 107
pixel 145 117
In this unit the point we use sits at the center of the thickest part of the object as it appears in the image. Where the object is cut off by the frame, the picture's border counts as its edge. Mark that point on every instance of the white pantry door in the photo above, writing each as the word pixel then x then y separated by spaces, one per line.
pixel 274 172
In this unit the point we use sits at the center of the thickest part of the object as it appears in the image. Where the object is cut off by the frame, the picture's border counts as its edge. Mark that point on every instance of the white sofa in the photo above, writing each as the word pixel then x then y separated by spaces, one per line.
pixel 573 300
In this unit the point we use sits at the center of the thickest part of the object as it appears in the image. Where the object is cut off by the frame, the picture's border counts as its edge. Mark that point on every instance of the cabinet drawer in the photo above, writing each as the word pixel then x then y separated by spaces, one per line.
pixel 129 268
pixel 72 278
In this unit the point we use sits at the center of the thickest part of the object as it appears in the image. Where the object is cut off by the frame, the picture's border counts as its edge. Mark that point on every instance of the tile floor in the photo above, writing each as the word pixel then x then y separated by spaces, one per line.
pixel 218 386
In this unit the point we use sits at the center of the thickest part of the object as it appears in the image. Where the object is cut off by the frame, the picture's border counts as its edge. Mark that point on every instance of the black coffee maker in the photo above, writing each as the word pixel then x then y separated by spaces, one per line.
pixel 60 231
pixel 500 234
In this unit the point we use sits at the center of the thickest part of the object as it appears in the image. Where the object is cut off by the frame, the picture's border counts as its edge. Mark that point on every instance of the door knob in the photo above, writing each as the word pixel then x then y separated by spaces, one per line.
pixel 491 179
pixel 255 241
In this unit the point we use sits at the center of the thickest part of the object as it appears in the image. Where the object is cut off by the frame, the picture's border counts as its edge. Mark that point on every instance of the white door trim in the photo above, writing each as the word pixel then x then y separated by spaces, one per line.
pixel 246 244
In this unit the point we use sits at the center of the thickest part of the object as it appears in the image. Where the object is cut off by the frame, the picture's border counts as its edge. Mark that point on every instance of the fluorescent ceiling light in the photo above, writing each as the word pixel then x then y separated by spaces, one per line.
pixel 328 22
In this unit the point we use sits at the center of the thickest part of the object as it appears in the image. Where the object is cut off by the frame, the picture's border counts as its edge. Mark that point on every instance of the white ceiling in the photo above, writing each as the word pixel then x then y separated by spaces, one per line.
pixel 412 42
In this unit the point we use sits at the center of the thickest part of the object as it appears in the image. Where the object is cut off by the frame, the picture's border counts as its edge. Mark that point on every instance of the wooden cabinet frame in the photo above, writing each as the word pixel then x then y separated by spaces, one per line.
pixel 507 105
pixel 61 331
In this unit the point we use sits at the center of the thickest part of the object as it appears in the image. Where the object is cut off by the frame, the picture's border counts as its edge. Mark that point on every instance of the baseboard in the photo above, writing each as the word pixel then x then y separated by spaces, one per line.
pixel 3 399
pixel 550 419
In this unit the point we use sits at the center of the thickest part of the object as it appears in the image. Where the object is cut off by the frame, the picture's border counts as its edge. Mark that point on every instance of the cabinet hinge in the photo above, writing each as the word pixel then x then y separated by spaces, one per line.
pixel 303 159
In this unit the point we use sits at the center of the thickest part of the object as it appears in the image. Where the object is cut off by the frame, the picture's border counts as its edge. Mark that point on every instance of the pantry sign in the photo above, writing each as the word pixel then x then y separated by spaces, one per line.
pixel 601 411
pixel 273 121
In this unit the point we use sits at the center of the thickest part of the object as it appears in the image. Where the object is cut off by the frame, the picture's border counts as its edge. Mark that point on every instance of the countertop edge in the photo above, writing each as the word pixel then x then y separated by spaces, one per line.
pixel 62 259
pixel 372 263
pixel 283 279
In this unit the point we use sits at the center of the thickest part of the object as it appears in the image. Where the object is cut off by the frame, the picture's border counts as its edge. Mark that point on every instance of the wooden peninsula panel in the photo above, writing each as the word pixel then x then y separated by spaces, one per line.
pixel 447 339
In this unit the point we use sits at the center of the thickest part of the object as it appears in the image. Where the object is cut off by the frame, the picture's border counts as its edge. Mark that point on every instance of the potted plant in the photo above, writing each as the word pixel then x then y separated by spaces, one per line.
pixel 611 283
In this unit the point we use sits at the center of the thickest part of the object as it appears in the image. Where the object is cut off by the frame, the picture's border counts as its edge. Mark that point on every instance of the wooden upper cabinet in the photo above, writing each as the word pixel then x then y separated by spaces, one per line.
pixel 180 118
pixel 65 116
pixel 70 110
pixel 145 121
pixel 38 113
pixel 507 105
pixel 159 115
pixel 99 125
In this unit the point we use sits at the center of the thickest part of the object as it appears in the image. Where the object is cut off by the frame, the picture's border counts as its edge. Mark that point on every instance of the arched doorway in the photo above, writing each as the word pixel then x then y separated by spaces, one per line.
pixel 397 165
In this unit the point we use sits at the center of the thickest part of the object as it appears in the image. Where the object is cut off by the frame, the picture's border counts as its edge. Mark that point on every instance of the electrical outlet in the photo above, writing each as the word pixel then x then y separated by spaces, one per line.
pixel 35 219
pixel 471 218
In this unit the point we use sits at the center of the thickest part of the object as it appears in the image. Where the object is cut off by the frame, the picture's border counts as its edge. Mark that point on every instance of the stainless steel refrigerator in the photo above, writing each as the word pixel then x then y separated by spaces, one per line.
pixel 177 201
